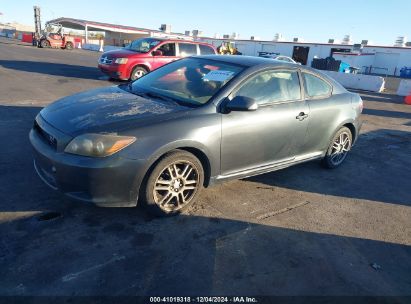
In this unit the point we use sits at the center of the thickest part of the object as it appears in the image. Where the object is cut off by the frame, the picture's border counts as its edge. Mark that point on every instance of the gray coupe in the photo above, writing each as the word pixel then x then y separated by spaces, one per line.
pixel 190 124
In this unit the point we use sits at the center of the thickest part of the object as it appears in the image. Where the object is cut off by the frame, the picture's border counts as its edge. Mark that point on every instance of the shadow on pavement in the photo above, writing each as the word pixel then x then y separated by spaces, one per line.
pixel 386 113
pixel 379 97
pixel 374 170
pixel 56 69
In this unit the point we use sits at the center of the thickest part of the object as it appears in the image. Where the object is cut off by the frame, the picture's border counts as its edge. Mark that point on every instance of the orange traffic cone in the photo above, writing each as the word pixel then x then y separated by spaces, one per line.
pixel 407 100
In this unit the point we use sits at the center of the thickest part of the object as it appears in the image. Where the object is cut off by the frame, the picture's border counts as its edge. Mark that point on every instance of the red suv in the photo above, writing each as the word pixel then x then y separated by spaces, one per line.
pixel 147 54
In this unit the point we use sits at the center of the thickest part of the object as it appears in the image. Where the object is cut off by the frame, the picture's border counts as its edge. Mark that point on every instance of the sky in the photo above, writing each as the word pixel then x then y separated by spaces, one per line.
pixel 379 21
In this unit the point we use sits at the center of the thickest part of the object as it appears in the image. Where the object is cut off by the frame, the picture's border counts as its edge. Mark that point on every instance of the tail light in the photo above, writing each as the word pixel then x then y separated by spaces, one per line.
pixel 361 104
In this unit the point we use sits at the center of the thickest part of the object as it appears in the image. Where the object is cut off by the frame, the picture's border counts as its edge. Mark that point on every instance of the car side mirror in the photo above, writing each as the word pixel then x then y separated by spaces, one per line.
pixel 157 53
pixel 242 103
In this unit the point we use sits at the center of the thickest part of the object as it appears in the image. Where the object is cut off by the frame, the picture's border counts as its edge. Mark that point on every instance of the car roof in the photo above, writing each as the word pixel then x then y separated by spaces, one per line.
pixel 246 61
pixel 180 40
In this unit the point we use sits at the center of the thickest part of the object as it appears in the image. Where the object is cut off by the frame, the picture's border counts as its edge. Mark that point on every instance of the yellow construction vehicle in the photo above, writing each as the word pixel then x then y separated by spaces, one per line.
pixel 228 48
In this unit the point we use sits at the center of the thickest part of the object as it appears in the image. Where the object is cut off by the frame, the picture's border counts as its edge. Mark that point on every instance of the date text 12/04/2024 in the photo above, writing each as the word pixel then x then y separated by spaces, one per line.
pixel 203 300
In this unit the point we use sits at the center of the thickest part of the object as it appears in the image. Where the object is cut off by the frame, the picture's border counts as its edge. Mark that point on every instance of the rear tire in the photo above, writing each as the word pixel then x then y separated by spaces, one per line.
pixel 339 147
pixel 137 73
pixel 173 184
pixel 69 46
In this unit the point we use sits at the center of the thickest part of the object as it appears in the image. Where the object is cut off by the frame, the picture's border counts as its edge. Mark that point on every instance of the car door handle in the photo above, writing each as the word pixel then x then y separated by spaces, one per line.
pixel 302 116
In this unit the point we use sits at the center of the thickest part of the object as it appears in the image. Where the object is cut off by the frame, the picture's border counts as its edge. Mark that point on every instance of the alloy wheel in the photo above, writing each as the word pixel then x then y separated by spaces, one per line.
pixel 138 74
pixel 176 185
pixel 340 148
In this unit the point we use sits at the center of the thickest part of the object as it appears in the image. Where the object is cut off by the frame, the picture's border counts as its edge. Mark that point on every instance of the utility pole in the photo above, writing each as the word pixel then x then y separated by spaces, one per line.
pixel 37 21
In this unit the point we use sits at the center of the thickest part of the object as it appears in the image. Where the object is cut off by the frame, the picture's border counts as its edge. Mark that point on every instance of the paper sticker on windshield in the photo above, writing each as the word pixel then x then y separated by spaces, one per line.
pixel 218 75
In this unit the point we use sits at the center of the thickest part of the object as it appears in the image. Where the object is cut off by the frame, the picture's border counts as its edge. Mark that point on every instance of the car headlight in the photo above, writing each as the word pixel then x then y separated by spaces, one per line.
pixel 121 60
pixel 98 145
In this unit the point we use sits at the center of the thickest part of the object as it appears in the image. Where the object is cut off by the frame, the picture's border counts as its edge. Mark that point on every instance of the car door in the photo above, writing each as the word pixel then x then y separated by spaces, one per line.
pixel 326 111
pixel 271 134
pixel 168 54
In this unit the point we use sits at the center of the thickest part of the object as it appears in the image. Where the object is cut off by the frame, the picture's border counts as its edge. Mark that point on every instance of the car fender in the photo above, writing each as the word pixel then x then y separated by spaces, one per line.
pixel 187 145
pixel 184 145
pixel 138 62
pixel 340 125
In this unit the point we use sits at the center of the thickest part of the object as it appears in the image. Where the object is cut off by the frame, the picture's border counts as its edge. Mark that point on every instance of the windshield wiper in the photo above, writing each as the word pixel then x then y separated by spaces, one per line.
pixel 158 96
pixel 150 94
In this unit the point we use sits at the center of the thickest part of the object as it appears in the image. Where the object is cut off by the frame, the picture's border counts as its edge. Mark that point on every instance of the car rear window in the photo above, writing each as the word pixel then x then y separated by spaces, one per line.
pixel 206 50
pixel 315 86
pixel 187 49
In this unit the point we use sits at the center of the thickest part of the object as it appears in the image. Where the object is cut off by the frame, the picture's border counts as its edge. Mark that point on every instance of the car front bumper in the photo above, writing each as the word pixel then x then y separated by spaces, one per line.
pixel 111 181
pixel 114 71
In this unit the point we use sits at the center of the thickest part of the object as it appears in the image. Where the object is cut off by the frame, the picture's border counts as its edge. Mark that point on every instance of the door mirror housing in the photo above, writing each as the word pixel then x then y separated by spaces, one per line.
pixel 242 103
pixel 157 53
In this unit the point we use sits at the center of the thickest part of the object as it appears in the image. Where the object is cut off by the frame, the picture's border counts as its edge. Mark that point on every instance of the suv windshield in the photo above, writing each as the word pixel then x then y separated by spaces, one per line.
pixel 191 81
pixel 142 45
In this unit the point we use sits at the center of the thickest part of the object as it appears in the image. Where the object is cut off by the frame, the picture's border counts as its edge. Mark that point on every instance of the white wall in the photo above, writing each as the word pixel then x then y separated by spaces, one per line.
pixel 357 81
pixel 404 89
pixel 391 58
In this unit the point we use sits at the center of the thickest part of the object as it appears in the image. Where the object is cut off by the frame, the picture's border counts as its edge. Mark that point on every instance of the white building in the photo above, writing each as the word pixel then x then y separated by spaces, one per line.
pixel 385 60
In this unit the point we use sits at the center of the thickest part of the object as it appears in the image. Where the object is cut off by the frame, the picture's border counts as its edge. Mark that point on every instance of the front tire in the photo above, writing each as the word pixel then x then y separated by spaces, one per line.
pixel 338 149
pixel 137 73
pixel 44 44
pixel 173 184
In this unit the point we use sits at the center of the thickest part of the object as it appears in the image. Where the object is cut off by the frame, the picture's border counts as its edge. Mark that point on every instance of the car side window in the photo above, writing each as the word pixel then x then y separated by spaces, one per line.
pixel 206 50
pixel 168 49
pixel 315 86
pixel 272 86
pixel 187 49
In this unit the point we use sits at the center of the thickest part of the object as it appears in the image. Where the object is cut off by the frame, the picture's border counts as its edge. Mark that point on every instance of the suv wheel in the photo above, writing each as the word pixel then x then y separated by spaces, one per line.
pixel 338 149
pixel 138 72
pixel 173 184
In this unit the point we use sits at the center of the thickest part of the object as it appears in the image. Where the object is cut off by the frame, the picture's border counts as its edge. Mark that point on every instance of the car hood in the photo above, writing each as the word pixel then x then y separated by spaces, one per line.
pixel 120 53
pixel 108 109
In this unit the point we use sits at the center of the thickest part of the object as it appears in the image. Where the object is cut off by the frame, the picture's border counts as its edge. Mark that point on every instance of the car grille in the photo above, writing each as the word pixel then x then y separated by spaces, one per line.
pixel 106 60
pixel 47 138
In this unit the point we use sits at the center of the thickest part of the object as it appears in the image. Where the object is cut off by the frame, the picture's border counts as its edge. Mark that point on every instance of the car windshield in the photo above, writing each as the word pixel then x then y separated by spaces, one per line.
pixel 191 81
pixel 142 45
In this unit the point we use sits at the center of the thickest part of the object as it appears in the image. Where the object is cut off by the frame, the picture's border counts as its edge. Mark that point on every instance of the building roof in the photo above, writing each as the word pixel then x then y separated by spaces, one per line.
pixel 305 43
pixel 80 24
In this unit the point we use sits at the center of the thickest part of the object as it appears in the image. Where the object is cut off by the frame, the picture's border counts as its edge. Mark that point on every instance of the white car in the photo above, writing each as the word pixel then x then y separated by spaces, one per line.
pixel 277 57
pixel 286 59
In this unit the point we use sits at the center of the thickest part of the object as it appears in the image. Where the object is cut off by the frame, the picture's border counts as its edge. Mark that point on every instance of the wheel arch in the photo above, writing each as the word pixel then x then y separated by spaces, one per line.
pixel 198 152
pixel 351 127
pixel 204 160
pixel 348 124
pixel 142 65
